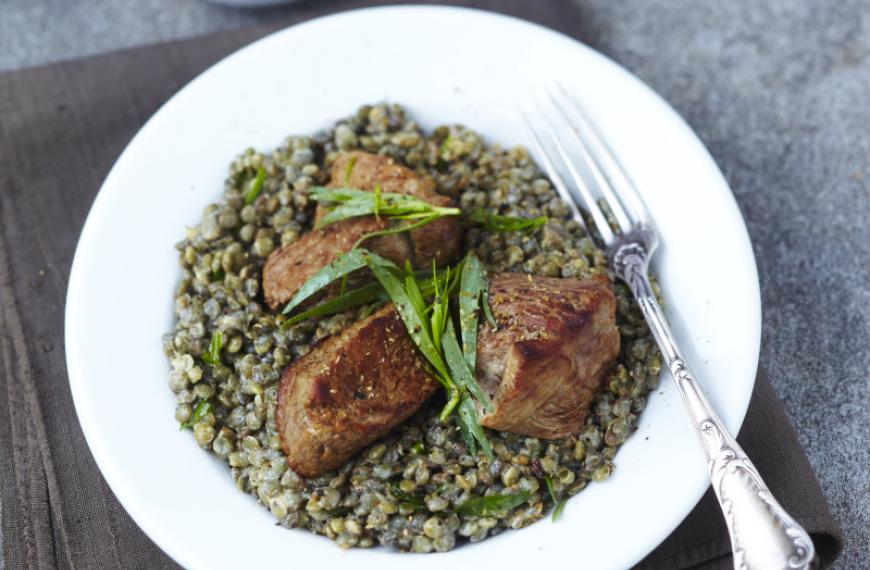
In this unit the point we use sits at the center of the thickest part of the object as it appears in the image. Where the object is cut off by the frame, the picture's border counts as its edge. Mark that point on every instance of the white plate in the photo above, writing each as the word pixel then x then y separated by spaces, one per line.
pixel 446 65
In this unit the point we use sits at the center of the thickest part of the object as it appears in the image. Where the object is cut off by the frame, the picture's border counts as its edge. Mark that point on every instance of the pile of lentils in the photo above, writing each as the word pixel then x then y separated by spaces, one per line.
pixel 402 491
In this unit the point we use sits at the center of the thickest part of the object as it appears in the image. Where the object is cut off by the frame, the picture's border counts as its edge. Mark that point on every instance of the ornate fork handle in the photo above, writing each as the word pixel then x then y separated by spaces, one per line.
pixel 762 534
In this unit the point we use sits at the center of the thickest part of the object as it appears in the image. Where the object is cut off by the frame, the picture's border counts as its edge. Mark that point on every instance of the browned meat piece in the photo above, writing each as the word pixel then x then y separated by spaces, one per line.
pixel 557 339
pixel 350 390
pixel 439 240
pixel 289 267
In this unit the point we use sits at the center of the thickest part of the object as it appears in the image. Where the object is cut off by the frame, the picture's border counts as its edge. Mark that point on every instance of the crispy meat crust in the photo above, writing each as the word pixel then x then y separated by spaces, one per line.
pixel 351 389
pixel 556 341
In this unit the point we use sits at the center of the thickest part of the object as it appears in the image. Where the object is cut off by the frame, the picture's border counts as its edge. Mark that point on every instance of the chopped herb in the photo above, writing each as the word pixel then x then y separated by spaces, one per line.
pixel 336 512
pixel 497 223
pixel 429 326
pixel 351 202
pixel 549 481
pixel 440 308
pixel 217 274
pixel 348 169
pixel 459 368
pixel 473 291
pixel 445 144
pixel 411 315
pixel 560 506
pixel 405 499
pixel 342 265
pixel 489 505
pixel 202 409
pixel 213 356
pixel 414 293
pixel 256 187
pixel 398 229
pixel 377 201
pixel 470 426
pixel 368 293
pixel 418 448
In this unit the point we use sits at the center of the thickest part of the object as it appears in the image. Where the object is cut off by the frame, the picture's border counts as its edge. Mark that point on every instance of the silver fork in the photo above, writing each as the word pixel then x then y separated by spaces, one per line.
pixel 762 534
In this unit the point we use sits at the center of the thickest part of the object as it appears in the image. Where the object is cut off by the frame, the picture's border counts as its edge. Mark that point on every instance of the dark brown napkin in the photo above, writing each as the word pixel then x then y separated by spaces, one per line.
pixel 61 128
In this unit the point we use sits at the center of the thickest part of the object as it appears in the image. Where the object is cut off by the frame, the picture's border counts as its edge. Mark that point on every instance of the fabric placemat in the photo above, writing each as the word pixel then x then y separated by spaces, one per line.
pixel 61 128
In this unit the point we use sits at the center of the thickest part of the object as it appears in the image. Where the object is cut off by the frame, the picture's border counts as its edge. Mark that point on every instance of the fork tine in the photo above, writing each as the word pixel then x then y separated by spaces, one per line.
pixel 620 182
pixel 585 192
pixel 593 167
pixel 558 182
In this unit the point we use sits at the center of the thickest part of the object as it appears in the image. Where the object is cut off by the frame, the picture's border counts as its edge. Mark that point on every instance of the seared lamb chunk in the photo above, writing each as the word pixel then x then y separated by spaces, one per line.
pixel 556 341
pixel 289 267
pixel 348 391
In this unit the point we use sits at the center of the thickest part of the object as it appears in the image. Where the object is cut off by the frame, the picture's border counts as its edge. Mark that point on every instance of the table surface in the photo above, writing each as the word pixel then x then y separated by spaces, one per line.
pixel 778 93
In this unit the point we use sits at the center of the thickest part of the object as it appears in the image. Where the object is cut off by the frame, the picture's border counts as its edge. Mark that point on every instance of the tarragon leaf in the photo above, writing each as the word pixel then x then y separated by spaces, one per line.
pixel 499 223
pixel 413 322
pixel 414 294
pixel 467 416
pixel 560 506
pixel 372 292
pixel 405 499
pixel 202 409
pixel 459 368
pixel 398 229
pixel 368 293
pixel 342 265
pixel 471 288
pixel 213 356
pixel 349 169
pixel 489 505
pixel 256 187
pixel 352 202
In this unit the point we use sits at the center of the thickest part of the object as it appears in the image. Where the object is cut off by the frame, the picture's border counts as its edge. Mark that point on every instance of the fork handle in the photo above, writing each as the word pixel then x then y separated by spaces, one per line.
pixel 763 535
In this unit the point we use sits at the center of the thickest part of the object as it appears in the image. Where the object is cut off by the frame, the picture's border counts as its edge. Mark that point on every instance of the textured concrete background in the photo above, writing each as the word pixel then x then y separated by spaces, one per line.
pixel 779 91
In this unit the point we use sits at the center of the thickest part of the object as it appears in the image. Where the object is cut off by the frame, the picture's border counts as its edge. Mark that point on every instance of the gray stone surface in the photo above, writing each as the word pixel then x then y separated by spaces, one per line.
pixel 777 90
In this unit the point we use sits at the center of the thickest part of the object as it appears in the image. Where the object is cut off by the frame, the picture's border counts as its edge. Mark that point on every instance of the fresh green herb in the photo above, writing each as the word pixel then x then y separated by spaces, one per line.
pixel 256 187
pixel 497 223
pixel 336 512
pixel 342 265
pixel 217 274
pixel 398 229
pixel 348 169
pixel 350 203
pixel 405 499
pixel 549 481
pixel 473 291
pixel 489 505
pixel 440 307
pixel 459 368
pixel 202 409
pixel 418 448
pixel 411 313
pixel 368 293
pixel 213 356
pixel 560 506
pixel 470 426
pixel 377 200
pixel 445 144
pixel 414 292
pixel 429 326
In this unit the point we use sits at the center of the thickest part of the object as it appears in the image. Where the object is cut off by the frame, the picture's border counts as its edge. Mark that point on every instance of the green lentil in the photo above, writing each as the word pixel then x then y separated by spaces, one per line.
pixel 221 261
